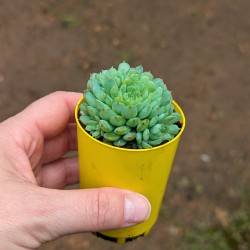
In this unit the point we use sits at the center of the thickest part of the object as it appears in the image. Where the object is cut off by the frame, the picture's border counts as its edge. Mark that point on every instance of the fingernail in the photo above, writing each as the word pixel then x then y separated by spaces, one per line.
pixel 136 208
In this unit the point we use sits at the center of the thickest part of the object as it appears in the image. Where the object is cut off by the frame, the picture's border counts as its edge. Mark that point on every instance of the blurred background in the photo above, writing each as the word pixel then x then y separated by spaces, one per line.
pixel 202 51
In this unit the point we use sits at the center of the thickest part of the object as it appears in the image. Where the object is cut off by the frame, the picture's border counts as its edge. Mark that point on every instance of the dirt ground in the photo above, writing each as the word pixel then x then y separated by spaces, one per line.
pixel 202 51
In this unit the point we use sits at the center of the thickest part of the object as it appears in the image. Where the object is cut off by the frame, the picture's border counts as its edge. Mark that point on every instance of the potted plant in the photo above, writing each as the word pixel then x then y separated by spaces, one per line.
pixel 129 128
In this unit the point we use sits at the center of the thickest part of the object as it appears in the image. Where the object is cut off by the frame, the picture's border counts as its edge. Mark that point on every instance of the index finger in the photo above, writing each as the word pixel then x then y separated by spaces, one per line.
pixel 50 114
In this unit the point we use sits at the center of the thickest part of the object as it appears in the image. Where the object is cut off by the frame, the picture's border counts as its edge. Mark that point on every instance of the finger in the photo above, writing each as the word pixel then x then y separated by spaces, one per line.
pixel 91 210
pixel 55 148
pixel 60 174
pixel 50 114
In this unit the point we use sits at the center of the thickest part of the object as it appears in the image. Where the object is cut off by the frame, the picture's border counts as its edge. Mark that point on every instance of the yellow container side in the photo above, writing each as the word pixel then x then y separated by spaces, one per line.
pixel 145 171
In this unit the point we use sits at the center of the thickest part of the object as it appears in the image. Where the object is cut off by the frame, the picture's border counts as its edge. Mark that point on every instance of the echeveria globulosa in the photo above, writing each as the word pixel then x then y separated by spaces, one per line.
pixel 127 107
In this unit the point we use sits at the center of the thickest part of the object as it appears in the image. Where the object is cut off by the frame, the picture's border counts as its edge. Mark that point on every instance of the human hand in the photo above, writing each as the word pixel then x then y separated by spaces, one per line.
pixel 34 209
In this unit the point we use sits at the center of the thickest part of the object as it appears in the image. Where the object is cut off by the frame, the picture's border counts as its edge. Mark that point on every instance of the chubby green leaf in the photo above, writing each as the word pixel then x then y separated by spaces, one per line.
pixel 108 141
pixel 157 93
pixel 154 137
pixel 83 107
pixel 145 79
pixel 172 129
pixel 157 111
pixel 161 117
pixel 145 112
pixel 90 99
pixel 124 67
pixel 92 122
pixel 101 105
pixel 129 112
pixel 148 74
pixel 117 120
pixel 90 128
pixel 123 88
pixel 173 118
pixel 108 84
pixel 97 91
pixel 92 111
pixel 105 126
pixel 120 143
pixel 133 122
pixel 114 90
pixel 90 81
pixel 146 134
pixel 169 108
pixel 155 142
pixel 139 137
pixel 159 83
pixel 108 100
pixel 145 145
pixel 85 119
pixel 129 136
pixel 142 125
pixel 106 114
pixel 111 136
pixel 122 130
pixel 153 121
pixel 156 129
pixel 96 134
pixel 139 69
pixel 166 137
pixel 166 98
pixel 118 107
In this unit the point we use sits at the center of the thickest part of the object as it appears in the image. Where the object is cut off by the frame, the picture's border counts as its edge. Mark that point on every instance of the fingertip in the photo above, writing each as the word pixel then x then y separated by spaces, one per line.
pixel 136 208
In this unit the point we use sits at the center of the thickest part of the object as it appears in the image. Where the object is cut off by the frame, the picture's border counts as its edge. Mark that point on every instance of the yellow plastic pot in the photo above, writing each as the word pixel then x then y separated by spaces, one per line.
pixel 145 171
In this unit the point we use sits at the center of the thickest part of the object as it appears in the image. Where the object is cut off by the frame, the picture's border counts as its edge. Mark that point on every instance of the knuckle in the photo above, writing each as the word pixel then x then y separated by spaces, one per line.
pixel 100 209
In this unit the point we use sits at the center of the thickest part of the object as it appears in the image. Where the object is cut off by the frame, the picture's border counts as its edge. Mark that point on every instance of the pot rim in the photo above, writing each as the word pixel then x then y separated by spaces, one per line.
pixel 176 106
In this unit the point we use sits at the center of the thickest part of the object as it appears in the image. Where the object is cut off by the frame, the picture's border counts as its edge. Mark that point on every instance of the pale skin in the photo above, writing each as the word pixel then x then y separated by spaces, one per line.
pixel 34 208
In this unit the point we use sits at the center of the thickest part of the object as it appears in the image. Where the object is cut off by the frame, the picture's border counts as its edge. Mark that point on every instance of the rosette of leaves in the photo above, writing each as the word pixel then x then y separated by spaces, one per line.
pixel 127 107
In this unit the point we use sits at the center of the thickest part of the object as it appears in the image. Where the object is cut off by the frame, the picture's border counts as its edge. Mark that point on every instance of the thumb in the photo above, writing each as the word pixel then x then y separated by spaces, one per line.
pixel 91 210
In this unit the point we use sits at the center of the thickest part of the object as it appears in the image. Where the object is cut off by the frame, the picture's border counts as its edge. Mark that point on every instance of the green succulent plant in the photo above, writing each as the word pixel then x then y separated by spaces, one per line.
pixel 127 107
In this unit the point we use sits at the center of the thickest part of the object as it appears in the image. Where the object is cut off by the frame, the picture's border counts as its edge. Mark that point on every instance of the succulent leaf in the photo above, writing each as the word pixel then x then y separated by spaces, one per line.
pixel 111 136
pixel 107 114
pixel 119 143
pixel 153 121
pixel 156 129
pixel 108 100
pixel 133 122
pixel 127 107
pixel 129 136
pixel 142 125
pixel 105 126
pixel 83 108
pixel 117 120
pixel 124 67
pixel 114 90
pixel 96 134
pixel 118 107
pixel 123 130
pixel 146 134
pixel 145 145
pixel 145 112
pixel 85 119
pixel 108 84
pixel 172 129
pixel 139 137
pixel 167 137
pixel 155 142
pixel 92 111
pixel 101 105
pixel 90 99
pixel 175 117
pixel 129 112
